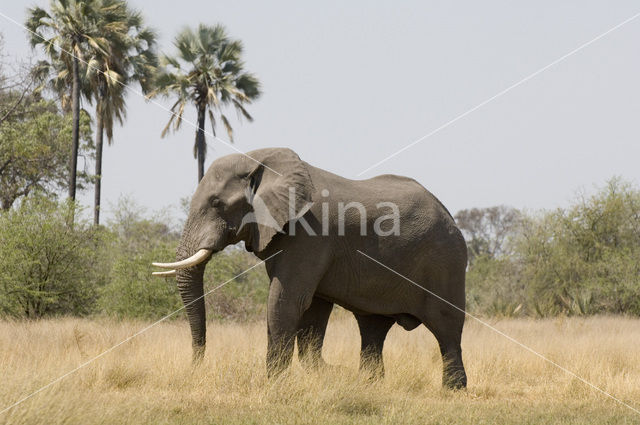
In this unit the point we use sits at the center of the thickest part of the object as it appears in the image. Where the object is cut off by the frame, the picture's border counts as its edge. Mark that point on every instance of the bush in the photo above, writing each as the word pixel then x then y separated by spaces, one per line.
pixel 47 265
pixel 576 261
pixel 135 243
pixel 584 260
pixel 132 291
pixel 495 287
pixel 243 298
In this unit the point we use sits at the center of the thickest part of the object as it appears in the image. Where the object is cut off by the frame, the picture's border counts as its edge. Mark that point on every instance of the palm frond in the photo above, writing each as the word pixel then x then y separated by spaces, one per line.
pixel 165 130
pixel 179 116
pixel 212 98
pixel 249 85
pixel 187 45
pixel 166 60
pixel 227 126
pixel 212 119
pixel 241 109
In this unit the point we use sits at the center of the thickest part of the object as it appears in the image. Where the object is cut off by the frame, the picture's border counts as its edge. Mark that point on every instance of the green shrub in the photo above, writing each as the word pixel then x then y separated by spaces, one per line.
pixel 242 298
pixel 495 287
pixel 585 259
pixel 131 291
pixel 135 243
pixel 47 266
pixel 581 260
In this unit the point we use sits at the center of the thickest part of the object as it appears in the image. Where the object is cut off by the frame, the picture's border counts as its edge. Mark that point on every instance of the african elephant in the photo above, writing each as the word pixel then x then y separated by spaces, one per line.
pixel 384 248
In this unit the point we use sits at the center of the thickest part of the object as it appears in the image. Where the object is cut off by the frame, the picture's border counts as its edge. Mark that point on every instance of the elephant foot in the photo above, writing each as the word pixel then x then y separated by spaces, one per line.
pixel 321 366
pixel 335 369
pixel 275 370
pixel 198 354
pixel 371 364
pixel 454 379
pixel 277 364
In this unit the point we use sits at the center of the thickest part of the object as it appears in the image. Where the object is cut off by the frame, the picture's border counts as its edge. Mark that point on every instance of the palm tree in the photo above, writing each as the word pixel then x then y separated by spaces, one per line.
pixel 208 72
pixel 66 34
pixel 130 57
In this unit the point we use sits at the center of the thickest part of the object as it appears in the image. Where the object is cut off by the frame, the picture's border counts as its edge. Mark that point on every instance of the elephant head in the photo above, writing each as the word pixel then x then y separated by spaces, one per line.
pixel 240 198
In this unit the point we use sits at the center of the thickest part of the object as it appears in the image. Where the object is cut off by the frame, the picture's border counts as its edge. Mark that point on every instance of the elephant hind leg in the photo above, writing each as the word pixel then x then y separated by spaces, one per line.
pixel 446 325
pixel 311 332
pixel 373 331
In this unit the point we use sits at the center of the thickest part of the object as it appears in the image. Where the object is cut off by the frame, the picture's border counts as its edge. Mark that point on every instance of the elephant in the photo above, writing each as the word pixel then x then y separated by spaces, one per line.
pixel 384 248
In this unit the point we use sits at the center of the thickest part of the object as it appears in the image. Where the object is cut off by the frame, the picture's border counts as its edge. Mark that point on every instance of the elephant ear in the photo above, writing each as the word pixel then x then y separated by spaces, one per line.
pixel 279 189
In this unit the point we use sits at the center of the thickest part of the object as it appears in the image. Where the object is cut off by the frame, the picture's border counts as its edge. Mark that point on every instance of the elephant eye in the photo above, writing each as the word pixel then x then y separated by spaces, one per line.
pixel 215 202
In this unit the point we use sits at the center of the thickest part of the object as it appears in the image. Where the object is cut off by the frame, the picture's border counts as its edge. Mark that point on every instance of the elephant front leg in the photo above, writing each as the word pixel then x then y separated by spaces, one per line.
pixel 311 331
pixel 284 313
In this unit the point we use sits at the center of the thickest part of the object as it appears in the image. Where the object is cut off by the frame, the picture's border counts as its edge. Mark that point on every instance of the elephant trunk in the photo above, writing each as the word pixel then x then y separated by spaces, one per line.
pixel 200 239
pixel 190 286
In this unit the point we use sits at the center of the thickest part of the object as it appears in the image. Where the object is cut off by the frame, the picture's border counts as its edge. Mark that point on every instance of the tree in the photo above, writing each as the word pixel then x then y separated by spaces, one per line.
pixel 66 35
pixel 35 137
pixel 584 259
pixel 47 266
pixel 487 230
pixel 14 87
pixel 208 72
pixel 130 56
pixel 35 149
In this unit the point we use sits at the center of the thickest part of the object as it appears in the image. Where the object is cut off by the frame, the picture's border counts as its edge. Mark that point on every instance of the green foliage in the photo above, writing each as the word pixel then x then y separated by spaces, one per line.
pixel 132 291
pixel 71 28
pixel 136 242
pixel 128 56
pixel 576 261
pixel 35 145
pixel 47 266
pixel 584 260
pixel 242 298
pixel 495 287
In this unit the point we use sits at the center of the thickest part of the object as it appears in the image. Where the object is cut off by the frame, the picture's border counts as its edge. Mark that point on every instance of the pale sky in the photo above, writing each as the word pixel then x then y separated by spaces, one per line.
pixel 347 84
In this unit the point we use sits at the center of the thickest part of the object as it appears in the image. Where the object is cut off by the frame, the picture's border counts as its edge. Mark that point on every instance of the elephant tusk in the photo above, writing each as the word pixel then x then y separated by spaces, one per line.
pixel 169 273
pixel 194 260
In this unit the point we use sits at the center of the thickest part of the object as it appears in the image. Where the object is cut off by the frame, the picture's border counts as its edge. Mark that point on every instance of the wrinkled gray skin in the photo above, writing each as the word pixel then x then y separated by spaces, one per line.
pixel 313 272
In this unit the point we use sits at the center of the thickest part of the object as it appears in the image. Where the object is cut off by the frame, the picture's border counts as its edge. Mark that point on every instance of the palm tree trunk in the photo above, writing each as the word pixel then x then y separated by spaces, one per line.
pixel 200 146
pixel 98 177
pixel 75 107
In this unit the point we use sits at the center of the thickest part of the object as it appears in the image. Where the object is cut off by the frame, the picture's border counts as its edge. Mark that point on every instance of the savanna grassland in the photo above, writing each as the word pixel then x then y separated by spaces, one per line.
pixel 149 380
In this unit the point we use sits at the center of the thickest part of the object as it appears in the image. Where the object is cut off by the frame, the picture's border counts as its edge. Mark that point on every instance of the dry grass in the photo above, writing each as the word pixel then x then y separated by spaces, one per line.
pixel 150 380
